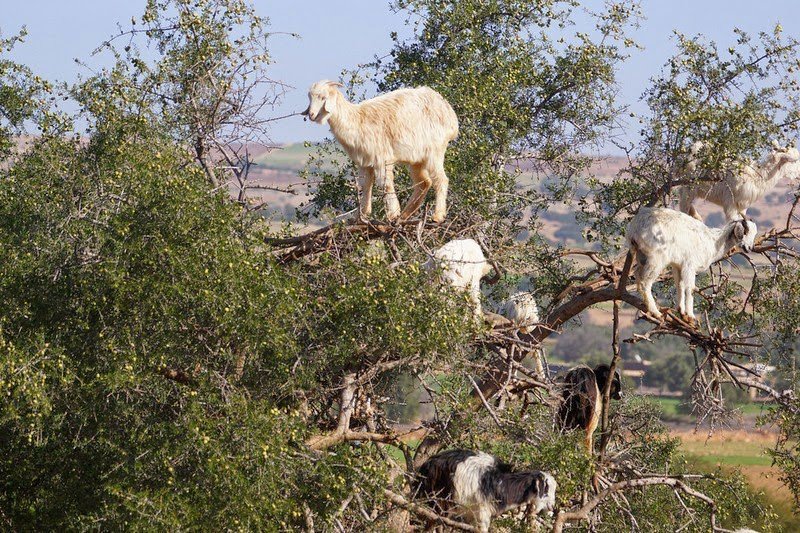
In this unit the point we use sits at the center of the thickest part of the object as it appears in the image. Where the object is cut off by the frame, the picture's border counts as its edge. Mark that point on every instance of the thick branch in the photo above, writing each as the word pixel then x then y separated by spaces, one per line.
pixel 346 407
pixel 322 442
pixel 424 512
pixel 321 239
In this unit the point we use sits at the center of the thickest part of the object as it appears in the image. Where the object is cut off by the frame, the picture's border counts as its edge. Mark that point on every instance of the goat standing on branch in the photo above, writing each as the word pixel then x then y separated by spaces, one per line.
pixel 661 237
pixel 738 190
pixel 582 399
pixel 408 126
pixel 481 486
pixel 521 309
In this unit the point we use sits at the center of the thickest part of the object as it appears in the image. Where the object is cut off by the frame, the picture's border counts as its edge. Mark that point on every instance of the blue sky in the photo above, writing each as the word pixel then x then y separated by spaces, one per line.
pixel 340 35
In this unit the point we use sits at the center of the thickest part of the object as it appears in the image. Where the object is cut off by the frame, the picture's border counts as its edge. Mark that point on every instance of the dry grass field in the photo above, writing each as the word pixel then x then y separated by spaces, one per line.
pixel 745 451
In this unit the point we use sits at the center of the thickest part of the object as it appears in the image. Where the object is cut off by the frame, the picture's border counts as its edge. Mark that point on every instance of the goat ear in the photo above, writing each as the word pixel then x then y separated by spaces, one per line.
pixel 739 230
pixel 541 486
pixel 330 104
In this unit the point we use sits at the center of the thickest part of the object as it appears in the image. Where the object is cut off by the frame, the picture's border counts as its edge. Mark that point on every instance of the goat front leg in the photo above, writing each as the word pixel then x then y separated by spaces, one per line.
pixel 390 196
pixel 366 178
pixel 733 213
pixel 680 303
pixel 440 183
pixel 687 286
pixel 686 203
pixel 475 298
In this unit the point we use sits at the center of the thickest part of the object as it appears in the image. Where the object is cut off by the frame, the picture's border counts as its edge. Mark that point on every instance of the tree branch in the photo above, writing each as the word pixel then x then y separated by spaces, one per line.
pixel 585 512
pixel 424 512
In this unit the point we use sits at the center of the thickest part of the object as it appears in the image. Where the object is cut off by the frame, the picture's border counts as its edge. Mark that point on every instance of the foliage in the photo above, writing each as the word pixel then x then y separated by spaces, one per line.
pixel 671 373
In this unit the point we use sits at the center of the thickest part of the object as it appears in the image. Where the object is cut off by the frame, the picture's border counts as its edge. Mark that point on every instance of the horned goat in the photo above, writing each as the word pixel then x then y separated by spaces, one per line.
pixel 662 237
pixel 406 126
pixel 462 266
pixel 477 486
pixel 737 190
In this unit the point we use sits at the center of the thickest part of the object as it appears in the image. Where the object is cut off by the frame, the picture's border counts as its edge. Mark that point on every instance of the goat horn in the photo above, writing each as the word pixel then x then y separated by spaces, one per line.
pixel 498 273
pixel 335 84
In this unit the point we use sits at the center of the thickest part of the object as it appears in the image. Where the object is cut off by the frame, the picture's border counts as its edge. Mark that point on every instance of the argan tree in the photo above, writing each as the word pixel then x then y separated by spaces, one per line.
pixel 166 361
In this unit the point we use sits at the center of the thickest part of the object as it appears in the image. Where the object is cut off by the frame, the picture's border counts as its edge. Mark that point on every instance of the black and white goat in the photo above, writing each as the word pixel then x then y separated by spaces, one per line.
pixel 582 399
pixel 475 487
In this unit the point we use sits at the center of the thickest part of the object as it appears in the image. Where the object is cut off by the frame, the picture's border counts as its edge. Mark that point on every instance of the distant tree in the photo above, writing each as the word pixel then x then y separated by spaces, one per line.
pixel 581 342
pixel 671 372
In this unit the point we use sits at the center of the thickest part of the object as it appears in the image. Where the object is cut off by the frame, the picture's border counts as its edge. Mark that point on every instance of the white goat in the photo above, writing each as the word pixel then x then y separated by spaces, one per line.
pixel 664 237
pixel 462 265
pixel 521 309
pixel 407 126
pixel 735 191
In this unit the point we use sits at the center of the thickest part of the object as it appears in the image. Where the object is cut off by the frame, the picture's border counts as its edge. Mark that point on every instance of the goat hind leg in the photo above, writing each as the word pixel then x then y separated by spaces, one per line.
pixel 422 182
pixel 650 272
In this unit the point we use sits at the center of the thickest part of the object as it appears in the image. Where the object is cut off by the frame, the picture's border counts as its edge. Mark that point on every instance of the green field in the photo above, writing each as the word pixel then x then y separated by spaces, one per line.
pixel 670 407
pixel 729 452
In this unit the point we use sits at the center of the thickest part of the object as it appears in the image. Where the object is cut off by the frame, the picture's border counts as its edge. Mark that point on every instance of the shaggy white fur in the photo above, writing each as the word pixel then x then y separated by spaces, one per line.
pixel 471 481
pixel 735 191
pixel 521 309
pixel 664 237
pixel 466 489
pixel 462 266
pixel 406 126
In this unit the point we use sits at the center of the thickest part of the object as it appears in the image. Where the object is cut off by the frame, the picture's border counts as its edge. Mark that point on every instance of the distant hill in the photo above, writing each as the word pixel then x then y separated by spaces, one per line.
pixel 289 157
pixel 281 166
